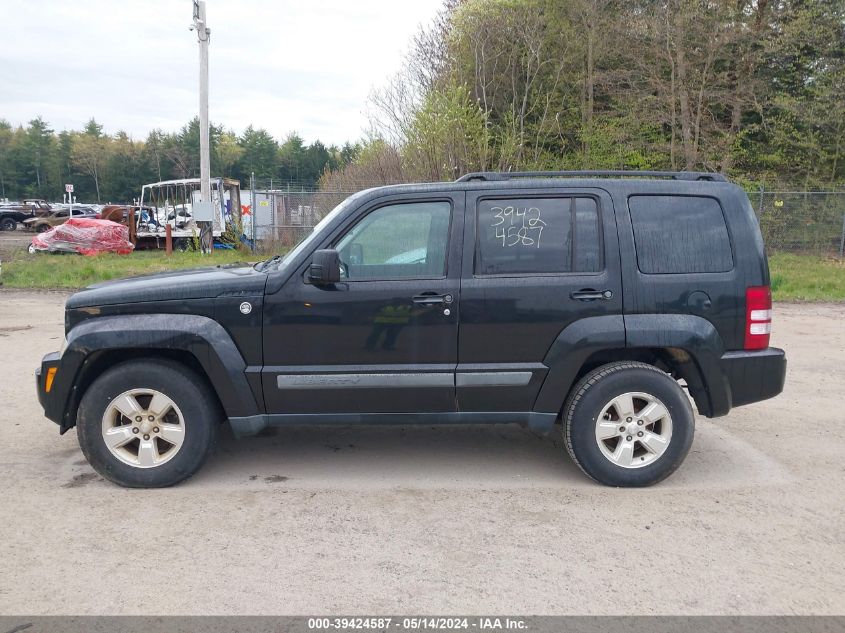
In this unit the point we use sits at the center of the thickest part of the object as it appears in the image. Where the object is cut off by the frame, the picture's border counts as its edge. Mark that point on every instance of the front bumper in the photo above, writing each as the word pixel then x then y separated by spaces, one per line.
pixel 54 398
pixel 754 376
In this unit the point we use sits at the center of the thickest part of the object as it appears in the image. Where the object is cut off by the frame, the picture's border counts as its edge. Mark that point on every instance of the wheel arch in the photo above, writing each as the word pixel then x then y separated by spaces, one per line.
pixel 196 342
pixel 676 362
pixel 100 361
pixel 685 346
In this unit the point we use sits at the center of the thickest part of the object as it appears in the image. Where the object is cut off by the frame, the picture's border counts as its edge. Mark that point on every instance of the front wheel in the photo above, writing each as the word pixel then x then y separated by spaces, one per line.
pixel 628 424
pixel 147 424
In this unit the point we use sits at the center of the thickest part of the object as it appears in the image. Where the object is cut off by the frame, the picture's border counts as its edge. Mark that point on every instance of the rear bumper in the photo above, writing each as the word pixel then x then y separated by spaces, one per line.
pixel 52 400
pixel 753 376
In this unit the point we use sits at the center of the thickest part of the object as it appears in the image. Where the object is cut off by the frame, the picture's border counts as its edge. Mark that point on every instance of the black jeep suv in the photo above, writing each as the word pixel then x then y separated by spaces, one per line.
pixel 590 298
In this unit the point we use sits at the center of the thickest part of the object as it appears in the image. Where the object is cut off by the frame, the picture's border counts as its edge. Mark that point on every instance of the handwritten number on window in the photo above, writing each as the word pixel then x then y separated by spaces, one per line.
pixel 518 226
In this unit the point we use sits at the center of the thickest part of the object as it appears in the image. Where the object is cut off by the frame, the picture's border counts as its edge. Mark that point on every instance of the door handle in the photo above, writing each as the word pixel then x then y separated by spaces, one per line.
pixel 588 294
pixel 431 299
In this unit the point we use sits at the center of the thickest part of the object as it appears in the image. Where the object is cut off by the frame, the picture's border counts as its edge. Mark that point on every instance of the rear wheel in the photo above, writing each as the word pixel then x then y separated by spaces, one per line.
pixel 628 424
pixel 41 228
pixel 147 424
pixel 8 224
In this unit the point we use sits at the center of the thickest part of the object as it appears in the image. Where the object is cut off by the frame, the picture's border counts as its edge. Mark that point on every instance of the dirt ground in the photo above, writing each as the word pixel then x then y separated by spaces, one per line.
pixel 460 520
pixel 13 244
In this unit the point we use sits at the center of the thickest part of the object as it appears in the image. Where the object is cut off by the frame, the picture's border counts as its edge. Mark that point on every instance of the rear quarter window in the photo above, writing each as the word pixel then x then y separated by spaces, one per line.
pixel 680 234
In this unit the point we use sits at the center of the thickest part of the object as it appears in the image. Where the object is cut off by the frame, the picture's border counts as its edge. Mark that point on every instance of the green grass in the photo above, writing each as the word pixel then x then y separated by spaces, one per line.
pixel 794 277
pixel 76 271
pixel 806 278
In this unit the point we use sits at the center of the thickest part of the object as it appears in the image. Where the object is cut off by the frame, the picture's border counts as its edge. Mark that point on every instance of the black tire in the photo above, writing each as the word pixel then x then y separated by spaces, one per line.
pixel 42 228
pixel 184 387
pixel 8 224
pixel 590 397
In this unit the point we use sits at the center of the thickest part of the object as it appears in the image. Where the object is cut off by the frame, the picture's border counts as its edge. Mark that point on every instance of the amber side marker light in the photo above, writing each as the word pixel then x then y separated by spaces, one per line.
pixel 48 383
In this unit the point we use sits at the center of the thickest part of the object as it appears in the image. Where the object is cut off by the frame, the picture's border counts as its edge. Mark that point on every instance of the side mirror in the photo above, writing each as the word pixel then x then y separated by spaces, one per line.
pixel 324 268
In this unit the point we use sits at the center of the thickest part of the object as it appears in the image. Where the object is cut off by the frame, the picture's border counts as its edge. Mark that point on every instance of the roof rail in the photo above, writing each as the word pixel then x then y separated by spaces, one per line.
pixel 602 173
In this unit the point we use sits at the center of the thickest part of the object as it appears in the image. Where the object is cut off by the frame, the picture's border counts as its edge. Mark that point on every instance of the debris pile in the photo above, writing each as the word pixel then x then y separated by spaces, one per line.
pixel 86 236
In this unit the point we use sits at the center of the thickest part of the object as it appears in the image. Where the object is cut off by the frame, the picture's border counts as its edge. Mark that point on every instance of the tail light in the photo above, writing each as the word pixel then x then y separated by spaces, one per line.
pixel 758 317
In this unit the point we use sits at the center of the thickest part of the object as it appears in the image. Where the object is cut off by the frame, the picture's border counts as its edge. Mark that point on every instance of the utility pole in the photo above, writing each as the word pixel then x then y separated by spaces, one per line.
pixel 204 37
pixel 253 208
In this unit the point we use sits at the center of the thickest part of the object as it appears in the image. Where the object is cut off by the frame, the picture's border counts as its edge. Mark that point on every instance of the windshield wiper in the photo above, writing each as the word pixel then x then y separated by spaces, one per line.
pixel 268 262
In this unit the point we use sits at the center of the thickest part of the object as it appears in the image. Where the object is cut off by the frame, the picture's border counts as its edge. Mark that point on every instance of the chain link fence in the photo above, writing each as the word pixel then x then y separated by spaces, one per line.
pixel 282 218
pixel 808 222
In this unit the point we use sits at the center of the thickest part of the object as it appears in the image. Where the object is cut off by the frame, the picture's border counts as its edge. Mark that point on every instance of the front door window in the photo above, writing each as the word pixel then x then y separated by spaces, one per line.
pixel 398 241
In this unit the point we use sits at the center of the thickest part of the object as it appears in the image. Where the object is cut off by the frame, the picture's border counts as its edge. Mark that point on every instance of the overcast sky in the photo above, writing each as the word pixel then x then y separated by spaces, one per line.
pixel 283 65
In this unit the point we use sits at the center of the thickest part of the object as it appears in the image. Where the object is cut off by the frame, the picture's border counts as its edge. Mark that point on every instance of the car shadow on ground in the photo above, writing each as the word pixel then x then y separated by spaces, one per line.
pixel 393 456
pixel 477 456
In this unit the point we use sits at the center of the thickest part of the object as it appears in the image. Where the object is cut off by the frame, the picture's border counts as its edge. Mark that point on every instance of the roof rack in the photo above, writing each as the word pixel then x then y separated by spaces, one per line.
pixel 612 173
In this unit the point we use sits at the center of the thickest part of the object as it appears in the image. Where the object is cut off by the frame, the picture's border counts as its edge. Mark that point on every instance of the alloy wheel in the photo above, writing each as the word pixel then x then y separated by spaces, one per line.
pixel 634 430
pixel 143 428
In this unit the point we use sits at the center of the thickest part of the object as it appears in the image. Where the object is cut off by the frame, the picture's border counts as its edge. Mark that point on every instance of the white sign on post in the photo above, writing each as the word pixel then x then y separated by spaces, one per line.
pixel 69 188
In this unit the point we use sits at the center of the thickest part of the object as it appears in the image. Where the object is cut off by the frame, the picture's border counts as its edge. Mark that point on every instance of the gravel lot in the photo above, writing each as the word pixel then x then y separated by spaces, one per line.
pixel 13 244
pixel 432 520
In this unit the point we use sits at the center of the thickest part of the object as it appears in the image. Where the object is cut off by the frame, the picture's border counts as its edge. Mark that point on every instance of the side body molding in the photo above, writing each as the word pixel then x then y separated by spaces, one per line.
pixel 577 342
pixel 203 338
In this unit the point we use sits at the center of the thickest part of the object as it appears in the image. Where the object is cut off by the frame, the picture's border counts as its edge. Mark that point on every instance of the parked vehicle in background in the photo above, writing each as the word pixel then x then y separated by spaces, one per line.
pixel 147 226
pixel 44 223
pixel 120 212
pixel 13 213
pixel 33 206
pixel 170 202
pixel 115 212
pixel 10 217
pixel 595 300
pixel 85 236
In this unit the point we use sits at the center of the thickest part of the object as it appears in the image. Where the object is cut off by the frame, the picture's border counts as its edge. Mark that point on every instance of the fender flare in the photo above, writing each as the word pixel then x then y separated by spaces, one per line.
pixel 567 354
pixel 693 334
pixel 201 337
pixel 700 340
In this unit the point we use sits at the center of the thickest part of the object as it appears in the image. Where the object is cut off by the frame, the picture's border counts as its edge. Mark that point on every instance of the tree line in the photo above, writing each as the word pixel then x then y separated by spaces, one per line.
pixel 751 88
pixel 36 161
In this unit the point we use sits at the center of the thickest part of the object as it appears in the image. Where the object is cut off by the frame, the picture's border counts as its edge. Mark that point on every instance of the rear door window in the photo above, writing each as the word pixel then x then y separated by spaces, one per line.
pixel 680 234
pixel 521 236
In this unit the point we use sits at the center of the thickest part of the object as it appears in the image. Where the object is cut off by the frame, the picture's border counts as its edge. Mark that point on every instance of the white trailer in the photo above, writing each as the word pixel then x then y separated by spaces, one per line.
pixel 170 202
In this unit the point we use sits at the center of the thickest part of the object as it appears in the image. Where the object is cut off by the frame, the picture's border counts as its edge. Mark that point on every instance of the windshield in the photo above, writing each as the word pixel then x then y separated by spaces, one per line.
pixel 309 239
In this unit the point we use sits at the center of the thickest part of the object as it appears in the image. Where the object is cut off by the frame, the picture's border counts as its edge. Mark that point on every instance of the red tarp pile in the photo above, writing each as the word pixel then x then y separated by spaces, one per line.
pixel 86 236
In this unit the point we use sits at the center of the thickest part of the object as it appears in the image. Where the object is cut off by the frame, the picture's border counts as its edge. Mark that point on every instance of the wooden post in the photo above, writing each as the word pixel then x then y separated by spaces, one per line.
pixel 131 221
pixel 168 240
pixel 842 241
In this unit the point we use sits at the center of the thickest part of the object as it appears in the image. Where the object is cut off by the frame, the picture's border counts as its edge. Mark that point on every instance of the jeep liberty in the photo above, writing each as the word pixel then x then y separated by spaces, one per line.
pixel 596 300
